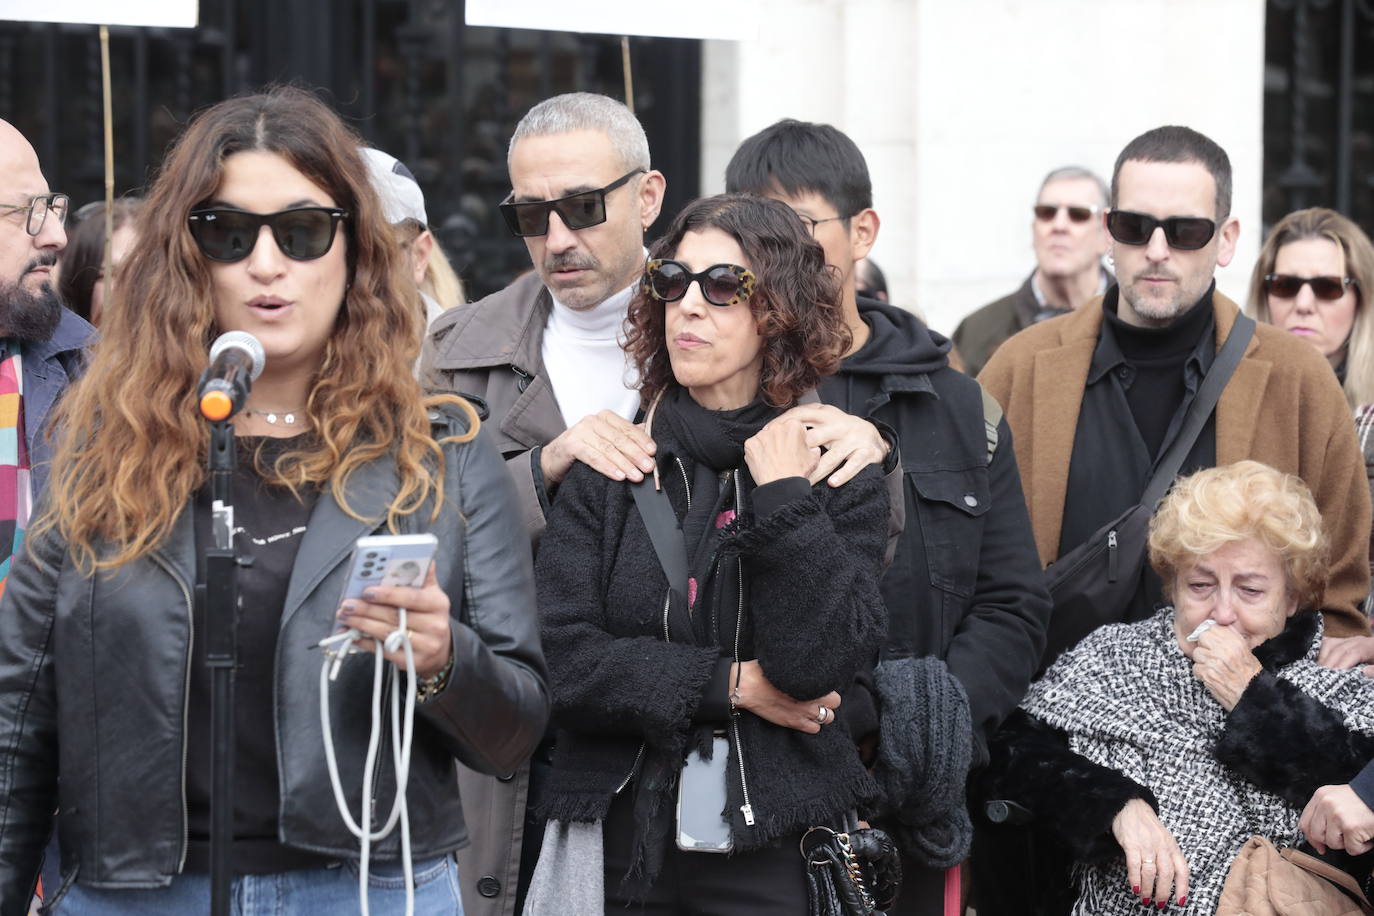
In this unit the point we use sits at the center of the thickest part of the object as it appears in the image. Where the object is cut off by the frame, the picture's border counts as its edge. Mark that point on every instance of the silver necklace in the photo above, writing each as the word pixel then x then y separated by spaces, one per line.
pixel 285 418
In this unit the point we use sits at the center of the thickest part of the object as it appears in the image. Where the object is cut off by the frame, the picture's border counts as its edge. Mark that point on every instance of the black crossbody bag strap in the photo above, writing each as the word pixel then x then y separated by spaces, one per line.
pixel 1094 584
pixel 664 532
pixel 1208 393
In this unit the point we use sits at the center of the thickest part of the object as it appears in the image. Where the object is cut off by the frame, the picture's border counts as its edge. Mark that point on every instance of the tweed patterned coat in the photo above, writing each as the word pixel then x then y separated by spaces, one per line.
pixel 1128 700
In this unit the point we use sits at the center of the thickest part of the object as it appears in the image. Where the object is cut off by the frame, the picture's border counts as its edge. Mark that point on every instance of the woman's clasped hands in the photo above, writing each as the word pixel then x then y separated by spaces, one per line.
pixel 751 690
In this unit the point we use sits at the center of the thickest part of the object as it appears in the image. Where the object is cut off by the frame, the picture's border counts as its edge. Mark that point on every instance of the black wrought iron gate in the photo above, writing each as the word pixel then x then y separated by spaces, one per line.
pixel 409 74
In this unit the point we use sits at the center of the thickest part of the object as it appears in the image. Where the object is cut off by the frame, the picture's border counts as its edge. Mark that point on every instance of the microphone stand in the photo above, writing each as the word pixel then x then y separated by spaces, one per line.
pixel 219 601
pixel 222 391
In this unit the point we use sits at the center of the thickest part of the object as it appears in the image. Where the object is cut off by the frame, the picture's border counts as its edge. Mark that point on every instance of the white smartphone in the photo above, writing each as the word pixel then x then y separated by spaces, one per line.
pixel 380 559
pixel 701 822
pixel 389 560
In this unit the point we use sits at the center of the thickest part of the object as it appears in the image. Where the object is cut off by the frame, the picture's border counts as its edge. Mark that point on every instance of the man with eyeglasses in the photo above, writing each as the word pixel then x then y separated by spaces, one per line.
pixel 1070 240
pixel 964 586
pixel 42 344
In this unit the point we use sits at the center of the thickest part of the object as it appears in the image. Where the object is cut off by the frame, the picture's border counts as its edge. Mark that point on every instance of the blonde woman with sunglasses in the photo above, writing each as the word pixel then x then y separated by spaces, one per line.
pixel 1313 279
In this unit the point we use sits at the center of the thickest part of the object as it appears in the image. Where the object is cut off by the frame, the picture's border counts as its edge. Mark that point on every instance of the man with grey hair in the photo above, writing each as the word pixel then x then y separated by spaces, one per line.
pixel 544 355
pixel 1069 240
pixel 544 352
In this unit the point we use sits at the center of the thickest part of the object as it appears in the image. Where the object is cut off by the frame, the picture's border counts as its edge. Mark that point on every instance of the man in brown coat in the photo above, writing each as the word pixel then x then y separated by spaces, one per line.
pixel 1094 397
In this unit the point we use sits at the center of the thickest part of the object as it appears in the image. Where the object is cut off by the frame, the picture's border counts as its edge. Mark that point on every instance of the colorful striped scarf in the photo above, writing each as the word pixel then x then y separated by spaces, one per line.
pixel 15 498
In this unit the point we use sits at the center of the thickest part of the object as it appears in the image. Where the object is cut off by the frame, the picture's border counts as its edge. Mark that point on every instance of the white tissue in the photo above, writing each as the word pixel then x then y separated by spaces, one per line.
pixel 1201 628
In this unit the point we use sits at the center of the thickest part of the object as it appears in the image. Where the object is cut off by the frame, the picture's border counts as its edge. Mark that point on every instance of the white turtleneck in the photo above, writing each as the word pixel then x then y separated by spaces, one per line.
pixel 586 365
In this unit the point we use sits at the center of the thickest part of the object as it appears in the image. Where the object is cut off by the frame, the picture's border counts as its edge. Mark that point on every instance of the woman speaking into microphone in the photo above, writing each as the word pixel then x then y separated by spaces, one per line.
pixel 262 220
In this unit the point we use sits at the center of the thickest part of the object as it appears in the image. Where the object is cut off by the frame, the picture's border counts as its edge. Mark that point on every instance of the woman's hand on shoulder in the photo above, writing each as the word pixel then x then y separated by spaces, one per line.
pixel 760 697
pixel 1225 665
pixel 427 618
pixel 850 443
pixel 779 450
pixel 1154 863
pixel 1347 652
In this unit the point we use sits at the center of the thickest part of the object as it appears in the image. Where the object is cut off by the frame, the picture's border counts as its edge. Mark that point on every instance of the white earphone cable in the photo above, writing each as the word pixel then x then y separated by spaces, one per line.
pixel 402 737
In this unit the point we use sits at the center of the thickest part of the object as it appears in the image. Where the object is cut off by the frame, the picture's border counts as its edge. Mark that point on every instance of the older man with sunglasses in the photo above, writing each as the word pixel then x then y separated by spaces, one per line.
pixel 544 354
pixel 1070 240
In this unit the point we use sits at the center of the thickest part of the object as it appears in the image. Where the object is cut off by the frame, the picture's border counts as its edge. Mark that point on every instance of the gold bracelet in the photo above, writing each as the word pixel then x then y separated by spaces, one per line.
pixel 430 687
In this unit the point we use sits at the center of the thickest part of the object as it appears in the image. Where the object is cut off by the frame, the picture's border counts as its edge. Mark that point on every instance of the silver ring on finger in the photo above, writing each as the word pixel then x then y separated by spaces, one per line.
pixel 822 715
pixel 1147 861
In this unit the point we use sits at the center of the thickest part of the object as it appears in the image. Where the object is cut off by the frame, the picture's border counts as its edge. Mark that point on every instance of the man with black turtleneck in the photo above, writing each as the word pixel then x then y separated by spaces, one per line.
pixel 1095 397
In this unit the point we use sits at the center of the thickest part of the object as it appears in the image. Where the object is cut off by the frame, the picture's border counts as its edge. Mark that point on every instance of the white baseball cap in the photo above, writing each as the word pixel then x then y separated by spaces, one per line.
pixel 401 196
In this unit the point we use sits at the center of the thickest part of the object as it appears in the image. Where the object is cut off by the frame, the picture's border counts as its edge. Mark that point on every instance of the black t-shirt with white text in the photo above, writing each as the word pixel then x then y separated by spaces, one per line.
pixel 269 522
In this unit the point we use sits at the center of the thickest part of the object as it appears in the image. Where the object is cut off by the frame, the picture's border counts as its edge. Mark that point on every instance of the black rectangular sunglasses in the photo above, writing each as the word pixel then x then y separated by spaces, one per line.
pixel 1185 233
pixel 577 211
pixel 302 233
pixel 1287 286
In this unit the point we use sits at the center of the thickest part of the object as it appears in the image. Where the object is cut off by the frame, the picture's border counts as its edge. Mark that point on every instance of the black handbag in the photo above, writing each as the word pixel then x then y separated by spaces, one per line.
pixel 1093 584
pixel 857 873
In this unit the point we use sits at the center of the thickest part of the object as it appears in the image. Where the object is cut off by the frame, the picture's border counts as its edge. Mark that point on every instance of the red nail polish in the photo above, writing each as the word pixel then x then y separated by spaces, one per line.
pixel 1183 901
pixel 1161 904
pixel 1135 889
pixel 1145 902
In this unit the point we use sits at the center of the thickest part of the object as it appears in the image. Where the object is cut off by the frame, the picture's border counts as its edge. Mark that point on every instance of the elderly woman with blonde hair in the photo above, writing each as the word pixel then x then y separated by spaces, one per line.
pixel 1155 750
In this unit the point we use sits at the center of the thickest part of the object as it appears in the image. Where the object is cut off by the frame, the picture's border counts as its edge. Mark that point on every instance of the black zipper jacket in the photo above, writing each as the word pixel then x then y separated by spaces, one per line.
pixel 93 687
pixel 627 700
pixel 965 585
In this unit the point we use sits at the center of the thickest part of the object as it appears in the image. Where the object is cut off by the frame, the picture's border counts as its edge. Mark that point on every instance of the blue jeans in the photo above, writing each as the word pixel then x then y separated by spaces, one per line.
pixel 307 892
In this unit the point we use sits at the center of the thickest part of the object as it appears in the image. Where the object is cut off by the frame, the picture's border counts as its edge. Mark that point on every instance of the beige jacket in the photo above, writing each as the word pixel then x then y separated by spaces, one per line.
pixel 1283 406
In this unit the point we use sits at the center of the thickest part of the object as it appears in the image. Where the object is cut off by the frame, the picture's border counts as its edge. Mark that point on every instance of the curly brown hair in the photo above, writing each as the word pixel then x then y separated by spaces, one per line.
pixel 796 301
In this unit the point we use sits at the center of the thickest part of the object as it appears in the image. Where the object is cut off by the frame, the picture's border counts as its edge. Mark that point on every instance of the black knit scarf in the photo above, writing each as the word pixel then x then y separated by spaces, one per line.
pixel 714 438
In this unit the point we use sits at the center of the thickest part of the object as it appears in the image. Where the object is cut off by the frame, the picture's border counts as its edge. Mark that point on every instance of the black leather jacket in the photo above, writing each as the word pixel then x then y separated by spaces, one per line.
pixel 93 687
